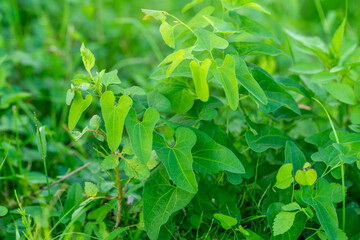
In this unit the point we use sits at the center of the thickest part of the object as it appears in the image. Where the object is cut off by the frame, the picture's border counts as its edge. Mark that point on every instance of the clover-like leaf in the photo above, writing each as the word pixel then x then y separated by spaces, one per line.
pixel 306 177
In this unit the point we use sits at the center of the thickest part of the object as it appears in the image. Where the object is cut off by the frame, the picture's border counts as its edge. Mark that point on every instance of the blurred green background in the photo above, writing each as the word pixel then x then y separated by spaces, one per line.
pixel 39 54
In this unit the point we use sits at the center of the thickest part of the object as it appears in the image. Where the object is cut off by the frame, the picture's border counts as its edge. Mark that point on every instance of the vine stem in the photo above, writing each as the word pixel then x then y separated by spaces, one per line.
pixel 341 164
pixel 119 198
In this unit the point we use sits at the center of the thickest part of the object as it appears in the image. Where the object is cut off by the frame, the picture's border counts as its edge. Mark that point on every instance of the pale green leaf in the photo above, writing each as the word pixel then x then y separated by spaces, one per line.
pixel 158 15
pixel 226 221
pixel 284 177
pixel 110 162
pixel 199 74
pixel 222 26
pixel 306 177
pixel 114 117
pixel 90 189
pixel 341 91
pixel 3 211
pixel 110 78
pixel 167 33
pixel 136 169
pixel 41 141
pixel 338 37
pixel 78 106
pixel 283 222
pixel 179 57
pixel 207 40
pixel 294 206
pixel 69 96
pixel 88 58
pixel 95 122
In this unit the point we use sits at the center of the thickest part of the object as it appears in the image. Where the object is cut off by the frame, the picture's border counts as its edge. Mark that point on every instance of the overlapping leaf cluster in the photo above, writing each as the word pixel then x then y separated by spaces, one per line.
pixel 216 114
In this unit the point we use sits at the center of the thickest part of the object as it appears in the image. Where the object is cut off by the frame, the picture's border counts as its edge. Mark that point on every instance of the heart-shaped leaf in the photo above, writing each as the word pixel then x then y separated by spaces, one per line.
pixel 114 117
pixel 306 177
pixel 141 133
pixel 178 160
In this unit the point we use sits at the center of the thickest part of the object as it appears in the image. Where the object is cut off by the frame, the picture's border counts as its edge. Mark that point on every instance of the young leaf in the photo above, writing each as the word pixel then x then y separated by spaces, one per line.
pixel 283 222
pixel 294 206
pixel 78 106
pixel 342 92
pixel 178 160
pixel 226 76
pixel 226 221
pixel 161 199
pixel 114 117
pixel 222 26
pixel 199 74
pixel 295 230
pixel 208 41
pixel 338 37
pixel 95 122
pixel 284 177
pixel 110 162
pixel 158 15
pixel 141 133
pixel 179 57
pixel 90 189
pixel 306 177
pixel 110 78
pixel 211 157
pixel 69 96
pixel 88 58
pixel 247 81
pixel 136 169
pixel 167 33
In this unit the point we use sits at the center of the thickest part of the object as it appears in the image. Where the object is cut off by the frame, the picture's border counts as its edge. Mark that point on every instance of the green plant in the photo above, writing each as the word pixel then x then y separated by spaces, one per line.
pixel 247 129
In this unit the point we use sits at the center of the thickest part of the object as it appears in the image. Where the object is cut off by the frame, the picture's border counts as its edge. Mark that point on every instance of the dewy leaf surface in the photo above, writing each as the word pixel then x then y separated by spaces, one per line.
pixel 211 157
pixel 178 159
pixel 161 199
pixel 141 133
pixel 114 117
pixel 226 76
pixel 78 106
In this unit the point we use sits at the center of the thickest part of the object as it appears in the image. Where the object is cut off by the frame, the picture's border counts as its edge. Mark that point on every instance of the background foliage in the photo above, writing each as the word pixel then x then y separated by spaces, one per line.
pixel 287 65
